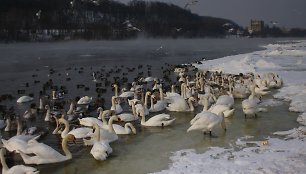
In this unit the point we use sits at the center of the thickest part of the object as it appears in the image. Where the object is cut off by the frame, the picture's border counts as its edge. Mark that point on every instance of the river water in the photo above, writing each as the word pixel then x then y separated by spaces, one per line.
pixel 148 150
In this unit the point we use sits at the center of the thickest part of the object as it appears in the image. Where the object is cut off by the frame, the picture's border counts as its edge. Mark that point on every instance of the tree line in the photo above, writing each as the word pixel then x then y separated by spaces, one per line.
pixel 102 19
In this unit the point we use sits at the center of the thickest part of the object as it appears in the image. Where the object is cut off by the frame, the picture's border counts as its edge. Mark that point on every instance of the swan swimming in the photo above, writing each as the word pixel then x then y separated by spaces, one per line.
pixel 17 169
pixel 44 154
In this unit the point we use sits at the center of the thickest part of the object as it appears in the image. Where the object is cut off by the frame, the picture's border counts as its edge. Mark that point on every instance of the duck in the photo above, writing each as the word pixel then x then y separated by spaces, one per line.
pixel 100 149
pixel 159 120
pixel 17 169
pixel 24 99
pixel 178 104
pixel 44 154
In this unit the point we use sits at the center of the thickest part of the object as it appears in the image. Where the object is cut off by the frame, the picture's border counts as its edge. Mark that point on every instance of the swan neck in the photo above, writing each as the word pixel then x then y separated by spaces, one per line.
pixel 4 165
pixel 19 127
pixel 152 104
pixel 102 116
pixel 161 94
pixel 8 124
pixel 66 130
pixel 110 125
pixel 97 132
pixel 205 104
pixel 133 108
pixel 173 89
pixel 143 118
pixel 65 148
pixel 146 99
pixel 113 102
pixel 190 105
pixel 57 126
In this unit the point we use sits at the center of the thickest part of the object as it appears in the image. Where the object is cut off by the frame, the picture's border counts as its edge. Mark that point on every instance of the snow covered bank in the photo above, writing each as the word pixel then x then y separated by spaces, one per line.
pixel 273 155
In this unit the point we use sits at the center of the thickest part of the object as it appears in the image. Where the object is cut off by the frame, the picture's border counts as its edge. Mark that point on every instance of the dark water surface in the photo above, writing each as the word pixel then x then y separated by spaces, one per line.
pixel 149 150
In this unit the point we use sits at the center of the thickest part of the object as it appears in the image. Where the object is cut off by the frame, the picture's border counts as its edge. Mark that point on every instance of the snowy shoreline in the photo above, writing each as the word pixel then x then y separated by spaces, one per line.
pixel 273 155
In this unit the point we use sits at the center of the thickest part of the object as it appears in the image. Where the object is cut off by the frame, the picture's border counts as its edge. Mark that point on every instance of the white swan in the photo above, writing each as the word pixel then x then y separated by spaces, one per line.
pixel 90 121
pixel 139 107
pixel 160 104
pixel 227 100
pixel 24 99
pixel 84 100
pixel 72 108
pixel 101 149
pixel 81 132
pixel 129 116
pixel 44 154
pixel 115 106
pixel 127 129
pixel 19 141
pixel 17 169
pixel 250 105
pixel 107 135
pixel 206 121
pixel 48 113
pixel 157 120
pixel 178 104
pixel 30 112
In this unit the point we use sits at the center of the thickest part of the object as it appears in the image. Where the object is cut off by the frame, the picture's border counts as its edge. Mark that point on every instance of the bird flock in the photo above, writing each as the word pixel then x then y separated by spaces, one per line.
pixel 146 102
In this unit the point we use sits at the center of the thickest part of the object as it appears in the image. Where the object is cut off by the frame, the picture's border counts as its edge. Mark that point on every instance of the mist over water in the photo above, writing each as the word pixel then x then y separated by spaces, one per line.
pixel 149 150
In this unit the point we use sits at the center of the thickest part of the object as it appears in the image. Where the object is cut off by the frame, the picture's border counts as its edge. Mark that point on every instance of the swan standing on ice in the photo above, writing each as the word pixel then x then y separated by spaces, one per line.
pixel 18 169
pixel 44 154
pixel 250 105
pixel 207 121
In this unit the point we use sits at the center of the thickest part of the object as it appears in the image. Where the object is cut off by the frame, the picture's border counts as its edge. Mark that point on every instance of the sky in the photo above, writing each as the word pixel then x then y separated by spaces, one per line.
pixel 287 13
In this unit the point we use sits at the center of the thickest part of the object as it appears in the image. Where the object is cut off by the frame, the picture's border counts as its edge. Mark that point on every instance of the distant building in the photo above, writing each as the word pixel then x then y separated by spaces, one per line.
pixel 256 27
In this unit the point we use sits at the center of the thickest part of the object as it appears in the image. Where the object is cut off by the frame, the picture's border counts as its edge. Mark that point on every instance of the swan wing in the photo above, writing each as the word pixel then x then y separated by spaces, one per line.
pixel 43 151
pixel 81 132
pixel 127 117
